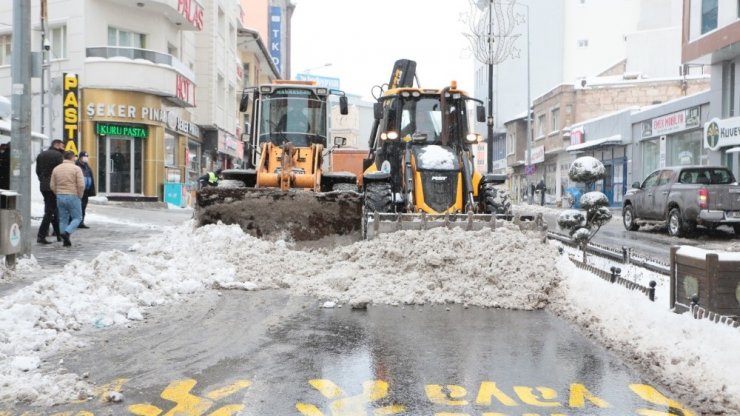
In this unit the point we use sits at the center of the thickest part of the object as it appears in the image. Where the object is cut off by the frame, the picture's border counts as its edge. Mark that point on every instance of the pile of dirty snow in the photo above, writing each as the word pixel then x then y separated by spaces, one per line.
pixel 485 268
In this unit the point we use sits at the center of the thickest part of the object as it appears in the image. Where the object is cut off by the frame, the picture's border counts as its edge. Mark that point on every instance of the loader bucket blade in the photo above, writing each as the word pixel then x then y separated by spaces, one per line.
pixel 377 223
pixel 261 212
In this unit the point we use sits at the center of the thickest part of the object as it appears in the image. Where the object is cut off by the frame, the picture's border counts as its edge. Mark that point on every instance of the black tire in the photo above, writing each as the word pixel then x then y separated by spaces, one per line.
pixel 629 219
pixel 344 187
pixel 378 197
pixel 675 223
pixel 736 227
pixel 494 200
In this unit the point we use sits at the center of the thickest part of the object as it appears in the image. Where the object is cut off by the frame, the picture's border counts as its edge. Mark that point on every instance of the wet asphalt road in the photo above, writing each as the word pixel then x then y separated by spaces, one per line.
pixel 267 353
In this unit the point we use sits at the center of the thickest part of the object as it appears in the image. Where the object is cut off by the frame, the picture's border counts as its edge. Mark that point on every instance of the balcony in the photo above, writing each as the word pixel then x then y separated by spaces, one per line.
pixel 186 14
pixel 140 70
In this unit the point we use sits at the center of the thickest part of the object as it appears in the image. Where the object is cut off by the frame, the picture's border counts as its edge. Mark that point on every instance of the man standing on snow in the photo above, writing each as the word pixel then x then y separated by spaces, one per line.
pixel 45 164
pixel 68 183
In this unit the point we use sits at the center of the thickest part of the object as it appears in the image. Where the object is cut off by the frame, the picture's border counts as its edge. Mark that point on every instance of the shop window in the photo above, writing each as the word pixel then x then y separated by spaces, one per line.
pixel 58 42
pixel 650 155
pixel 684 149
pixel 124 38
pixel 5 46
pixel 709 13
pixel 193 161
pixel 170 149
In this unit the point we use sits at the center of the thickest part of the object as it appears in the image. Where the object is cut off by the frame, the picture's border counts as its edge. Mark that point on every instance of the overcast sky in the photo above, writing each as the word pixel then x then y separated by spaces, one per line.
pixel 362 40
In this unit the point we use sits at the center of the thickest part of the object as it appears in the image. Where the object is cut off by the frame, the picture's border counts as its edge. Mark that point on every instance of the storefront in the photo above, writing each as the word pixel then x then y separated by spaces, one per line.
pixel 723 136
pixel 670 135
pixel 137 143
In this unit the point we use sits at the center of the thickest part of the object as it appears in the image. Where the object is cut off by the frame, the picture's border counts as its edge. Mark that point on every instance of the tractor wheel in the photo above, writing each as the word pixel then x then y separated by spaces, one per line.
pixel 675 223
pixel 628 218
pixel 378 197
pixel 495 200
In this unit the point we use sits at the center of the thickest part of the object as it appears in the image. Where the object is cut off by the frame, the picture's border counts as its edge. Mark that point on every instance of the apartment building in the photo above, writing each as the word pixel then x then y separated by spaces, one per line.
pixel 711 36
pixel 149 88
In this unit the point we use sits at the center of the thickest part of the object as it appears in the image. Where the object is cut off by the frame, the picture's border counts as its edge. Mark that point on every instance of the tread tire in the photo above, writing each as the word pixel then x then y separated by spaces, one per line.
pixel 675 223
pixel 489 203
pixel 629 219
pixel 378 197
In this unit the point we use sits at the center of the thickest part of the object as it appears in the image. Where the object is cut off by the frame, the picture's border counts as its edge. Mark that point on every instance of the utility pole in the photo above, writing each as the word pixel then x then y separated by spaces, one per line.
pixel 20 138
pixel 489 121
pixel 527 167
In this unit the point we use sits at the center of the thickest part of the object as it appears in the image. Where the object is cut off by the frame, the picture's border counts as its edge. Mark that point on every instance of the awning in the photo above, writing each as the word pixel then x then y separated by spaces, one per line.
pixel 5 130
pixel 611 140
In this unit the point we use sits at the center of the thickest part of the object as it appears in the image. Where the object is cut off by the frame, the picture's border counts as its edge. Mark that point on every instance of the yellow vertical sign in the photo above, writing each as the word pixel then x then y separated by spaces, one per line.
pixel 71 110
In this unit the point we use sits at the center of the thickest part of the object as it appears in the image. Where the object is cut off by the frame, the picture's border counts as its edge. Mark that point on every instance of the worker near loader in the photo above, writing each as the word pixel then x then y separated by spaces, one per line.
pixel 210 178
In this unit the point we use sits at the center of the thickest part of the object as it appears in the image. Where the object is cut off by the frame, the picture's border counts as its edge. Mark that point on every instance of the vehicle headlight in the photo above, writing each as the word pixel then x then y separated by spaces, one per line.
pixel 391 135
pixel 472 137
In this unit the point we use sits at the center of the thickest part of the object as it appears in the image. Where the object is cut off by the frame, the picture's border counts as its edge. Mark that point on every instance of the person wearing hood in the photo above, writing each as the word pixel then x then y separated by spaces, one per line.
pixel 83 163
pixel 46 161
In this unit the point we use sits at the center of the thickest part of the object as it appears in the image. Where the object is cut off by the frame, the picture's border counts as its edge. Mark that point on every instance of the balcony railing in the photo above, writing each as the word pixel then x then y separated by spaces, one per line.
pixel 138 53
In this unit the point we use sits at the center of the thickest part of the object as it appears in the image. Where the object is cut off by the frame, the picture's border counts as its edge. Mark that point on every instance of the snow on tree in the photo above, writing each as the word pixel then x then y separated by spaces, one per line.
pixel 583 226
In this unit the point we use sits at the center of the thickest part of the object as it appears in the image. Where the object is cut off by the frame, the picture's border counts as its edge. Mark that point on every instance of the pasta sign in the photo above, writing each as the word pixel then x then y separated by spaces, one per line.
pixel 71 108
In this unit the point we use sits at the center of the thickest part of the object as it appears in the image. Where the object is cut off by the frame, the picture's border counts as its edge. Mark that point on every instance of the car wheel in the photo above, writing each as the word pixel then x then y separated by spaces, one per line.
pixel 629 219
pixel 736 227
pixel 675 223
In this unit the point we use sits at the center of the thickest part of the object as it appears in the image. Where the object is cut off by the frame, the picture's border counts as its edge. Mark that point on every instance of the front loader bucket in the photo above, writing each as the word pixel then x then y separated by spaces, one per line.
pixel 302 215
pixel 376 223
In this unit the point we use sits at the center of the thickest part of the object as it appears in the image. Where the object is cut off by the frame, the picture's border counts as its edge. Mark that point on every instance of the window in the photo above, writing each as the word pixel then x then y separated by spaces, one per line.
pixel 5 44
pixel 221 22
pixel 58 42
pixel 172 50
pixel 541 125
pixel 582 43
pixel 193 161
pixel 708 15
pixel 685 149
pixel 555 119
pixel 728 90
pixel 118 37
pixel 245 76
pixel 511 144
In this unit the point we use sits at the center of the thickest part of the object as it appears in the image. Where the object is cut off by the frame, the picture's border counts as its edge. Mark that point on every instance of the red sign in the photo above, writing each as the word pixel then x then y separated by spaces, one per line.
pixel 184 89
pixel 192 11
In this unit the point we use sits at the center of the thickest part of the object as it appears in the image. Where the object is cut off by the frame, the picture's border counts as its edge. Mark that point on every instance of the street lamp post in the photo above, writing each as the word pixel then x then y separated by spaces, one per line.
pixel 308 71
pixel 529 112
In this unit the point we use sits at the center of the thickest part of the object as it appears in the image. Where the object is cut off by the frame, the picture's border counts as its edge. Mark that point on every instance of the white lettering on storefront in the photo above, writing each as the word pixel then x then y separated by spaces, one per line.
pixel 159 115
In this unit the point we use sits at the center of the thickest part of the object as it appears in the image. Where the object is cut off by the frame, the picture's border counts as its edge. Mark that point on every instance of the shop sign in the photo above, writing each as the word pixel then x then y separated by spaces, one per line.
pixel 538 154
pixel 227 144
pixel 721 133
pixel 138 132
pixel 71 107
pixel 192 12
pixel 276 36
pixel 184 89
pixel 134 113
pixel 577 135
pixel 671 123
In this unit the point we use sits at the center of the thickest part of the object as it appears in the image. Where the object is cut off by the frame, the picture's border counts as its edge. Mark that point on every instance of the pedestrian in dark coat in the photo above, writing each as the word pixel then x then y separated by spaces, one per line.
pixel 45 164
pixel 87 172
pixel 541 187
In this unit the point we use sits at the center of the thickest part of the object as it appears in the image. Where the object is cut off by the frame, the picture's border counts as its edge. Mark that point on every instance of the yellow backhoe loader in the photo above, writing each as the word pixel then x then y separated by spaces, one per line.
pixel 420 171
pixel 284 189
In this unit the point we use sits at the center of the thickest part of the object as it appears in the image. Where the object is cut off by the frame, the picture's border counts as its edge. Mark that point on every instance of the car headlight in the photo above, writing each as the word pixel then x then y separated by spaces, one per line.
pixel 472 137
pixel 391 135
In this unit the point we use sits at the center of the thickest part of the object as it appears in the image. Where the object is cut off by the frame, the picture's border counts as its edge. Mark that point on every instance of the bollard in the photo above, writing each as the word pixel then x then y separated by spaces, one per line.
pixel 626 255
pixel 651 291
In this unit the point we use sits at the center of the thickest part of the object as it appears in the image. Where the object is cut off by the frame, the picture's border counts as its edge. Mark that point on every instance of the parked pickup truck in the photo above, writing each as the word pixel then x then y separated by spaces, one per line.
pixel 683 197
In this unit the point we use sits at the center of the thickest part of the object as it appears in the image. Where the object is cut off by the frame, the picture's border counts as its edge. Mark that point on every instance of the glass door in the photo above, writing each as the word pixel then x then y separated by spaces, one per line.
pixel 120 170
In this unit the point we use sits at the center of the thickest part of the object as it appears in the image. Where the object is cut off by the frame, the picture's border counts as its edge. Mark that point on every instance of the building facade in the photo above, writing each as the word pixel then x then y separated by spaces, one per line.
pixel 711 36
pixel 148 88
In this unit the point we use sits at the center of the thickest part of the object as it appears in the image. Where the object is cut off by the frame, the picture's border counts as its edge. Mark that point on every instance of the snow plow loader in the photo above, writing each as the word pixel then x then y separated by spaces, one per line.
pixel 419 172
pixel 284 189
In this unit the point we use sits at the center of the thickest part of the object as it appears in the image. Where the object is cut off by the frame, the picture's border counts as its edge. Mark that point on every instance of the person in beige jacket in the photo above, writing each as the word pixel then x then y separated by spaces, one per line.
pixel 68 184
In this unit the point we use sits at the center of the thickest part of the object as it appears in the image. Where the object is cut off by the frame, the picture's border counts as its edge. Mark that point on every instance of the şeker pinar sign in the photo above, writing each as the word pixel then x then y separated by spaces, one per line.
pixel 71 111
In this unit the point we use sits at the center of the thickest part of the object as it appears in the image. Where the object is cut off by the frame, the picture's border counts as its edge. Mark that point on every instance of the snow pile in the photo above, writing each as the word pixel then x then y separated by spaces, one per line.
pixel 698 359
pixel 436 157
pixel 486 268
